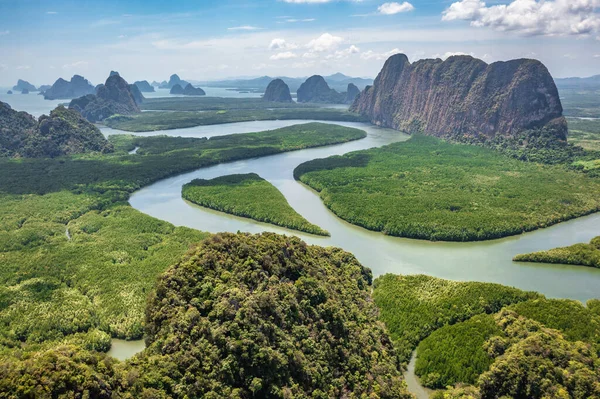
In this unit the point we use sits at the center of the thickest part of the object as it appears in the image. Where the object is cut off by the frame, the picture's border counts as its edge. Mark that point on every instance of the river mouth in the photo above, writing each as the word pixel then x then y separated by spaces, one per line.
pixel 486 261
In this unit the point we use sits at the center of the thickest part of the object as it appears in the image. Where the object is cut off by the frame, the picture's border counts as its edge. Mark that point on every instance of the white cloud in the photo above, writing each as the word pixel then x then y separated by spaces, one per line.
pixel 372 55
pixel 286 55
pixel 395 8
pixel 3 67
pixel 449 54
pixel 24 67
pixel 310 55
pixel 292 20
pixel 530 17
pixel 341 54
pixel 76 64
pixel 51 12
pixel 325 42
pixel 281 44
pixel 244 27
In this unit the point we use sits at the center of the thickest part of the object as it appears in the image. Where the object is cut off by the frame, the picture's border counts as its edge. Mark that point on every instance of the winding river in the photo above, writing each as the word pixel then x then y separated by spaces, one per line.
pixel 489 261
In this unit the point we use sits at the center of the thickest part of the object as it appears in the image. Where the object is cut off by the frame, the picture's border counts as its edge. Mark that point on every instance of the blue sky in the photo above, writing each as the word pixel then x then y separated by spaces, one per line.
pixel 208 39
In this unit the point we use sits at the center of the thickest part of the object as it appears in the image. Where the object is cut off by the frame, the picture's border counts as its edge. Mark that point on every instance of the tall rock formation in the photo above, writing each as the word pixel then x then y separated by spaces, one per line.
pixel 61 89
pixel 173 80
pixel 463 98
pixel 63 132
pixel 22 85
pixel 113 97
pixel 351 93
pixel 278 91
pixel 144 86
pixel 316 90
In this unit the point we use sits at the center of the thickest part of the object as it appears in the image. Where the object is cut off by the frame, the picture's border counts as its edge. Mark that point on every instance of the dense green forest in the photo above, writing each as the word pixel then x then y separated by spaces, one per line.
pixel 248 195
pixel 151 121
pixel 578 254
pixel 585 133
pixel 74 256
pixel 412 307
pixel 240 316
pixel 430 189
pixel 579 102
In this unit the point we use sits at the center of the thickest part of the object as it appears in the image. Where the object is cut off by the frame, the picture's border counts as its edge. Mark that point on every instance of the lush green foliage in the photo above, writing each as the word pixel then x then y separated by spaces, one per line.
pixel 248 195
pixel 532 361
pixel 585 133
pixel 213 104
pixel 578 254
pixel 63 132
pixel 580 102
pixel 52 285
pixel 151 121
pixel 429 189
pixel 412 307
pixel 454 353
pixel 267 316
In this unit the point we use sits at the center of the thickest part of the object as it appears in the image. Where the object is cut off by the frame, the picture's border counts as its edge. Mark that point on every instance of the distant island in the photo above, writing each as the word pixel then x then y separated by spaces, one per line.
pixel 64 90
pixel 144 86
pixel 113 97
pixel 24 85
pixel 173 80
pixel 278 91
pixel 189 90
pixel 316 90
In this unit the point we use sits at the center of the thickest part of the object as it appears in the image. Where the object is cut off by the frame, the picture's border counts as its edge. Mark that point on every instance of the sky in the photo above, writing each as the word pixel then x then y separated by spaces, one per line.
pixel 43 40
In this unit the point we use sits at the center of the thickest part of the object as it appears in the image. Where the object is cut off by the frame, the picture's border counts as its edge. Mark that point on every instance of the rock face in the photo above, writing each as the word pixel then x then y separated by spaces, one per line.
pixel 316 90
pixel 9 92
pixel 24 91
pixel 278 91
pixel 463 98
pixel 64 132
pixel 351 93
pixel 137 94
pixel 173 80
pixel 113 97
pixel 42 89
pixel 144 86
pixel 22 85
pixel 189 90
pixel 61 89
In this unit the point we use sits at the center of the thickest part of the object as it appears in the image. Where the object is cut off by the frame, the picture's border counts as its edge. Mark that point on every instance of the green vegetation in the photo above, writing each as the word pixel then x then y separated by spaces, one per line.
pixel 412 307
pixel 267 316
pixel 52 286
pixel 454 353
pixel 240 316
pixel 213 104
pixel 533 361
pixel 579 102
pixel 426 188
pixel 578 254
pixel 585 133
pixel 151 121
pixel 250 196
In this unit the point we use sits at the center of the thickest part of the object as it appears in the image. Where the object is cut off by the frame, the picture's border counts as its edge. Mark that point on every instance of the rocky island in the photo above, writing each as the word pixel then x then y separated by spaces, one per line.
pixel 63 132
pixel 63 90
pixel 351 93
pixel 278 91
pixel 173 80
pixel 24 85
pixel 463 98
pixel 189 90
pixel 113 97
pixel 316 90
pixel 144 86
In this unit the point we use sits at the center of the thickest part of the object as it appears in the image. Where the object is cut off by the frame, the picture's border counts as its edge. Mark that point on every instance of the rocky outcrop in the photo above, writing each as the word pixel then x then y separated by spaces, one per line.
pixel 189 90
pixel 144 86
pixel 22 85
pixel 351 93
pixel 63 132
pixel 278 91
pixel 316 90
pixel 24 91
pixel 113 97
pixel 42 89
pixel 61 89
pixel 173 80
pixel 463 98
pixel 137 94
pixel 9 92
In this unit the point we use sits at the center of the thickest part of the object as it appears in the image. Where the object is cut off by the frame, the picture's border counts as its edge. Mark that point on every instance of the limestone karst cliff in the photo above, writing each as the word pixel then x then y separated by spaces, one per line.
pixel 463 98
